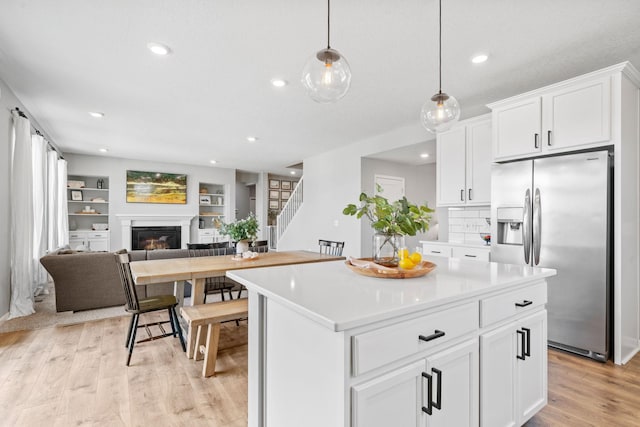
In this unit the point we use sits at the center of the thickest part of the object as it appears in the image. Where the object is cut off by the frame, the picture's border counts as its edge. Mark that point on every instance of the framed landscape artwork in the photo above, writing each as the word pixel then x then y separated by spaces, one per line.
pixel 286 185
pixel 284 195
pixel 274 194
pixel 274 184
pixel 274 204
pixel 76 195
pixel 156 187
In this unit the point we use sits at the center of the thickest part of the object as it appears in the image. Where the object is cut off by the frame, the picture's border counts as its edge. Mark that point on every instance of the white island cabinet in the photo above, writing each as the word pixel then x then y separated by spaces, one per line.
pixel 464 345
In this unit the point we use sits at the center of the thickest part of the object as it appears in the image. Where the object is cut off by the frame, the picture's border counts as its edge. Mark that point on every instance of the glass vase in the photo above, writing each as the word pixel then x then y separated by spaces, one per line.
pixel 385 248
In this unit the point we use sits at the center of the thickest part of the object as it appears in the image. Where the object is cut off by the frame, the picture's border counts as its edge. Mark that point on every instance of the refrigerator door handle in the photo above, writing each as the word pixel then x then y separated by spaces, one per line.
pixel 537 223
pixel 526 226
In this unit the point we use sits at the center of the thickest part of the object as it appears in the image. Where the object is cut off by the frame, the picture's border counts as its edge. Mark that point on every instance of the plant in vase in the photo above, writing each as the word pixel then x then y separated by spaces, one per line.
pixel 242 231
pixel 391 221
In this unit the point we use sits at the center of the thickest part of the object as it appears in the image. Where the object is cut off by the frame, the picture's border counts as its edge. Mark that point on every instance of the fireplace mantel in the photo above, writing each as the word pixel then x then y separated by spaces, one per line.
pixel 130 220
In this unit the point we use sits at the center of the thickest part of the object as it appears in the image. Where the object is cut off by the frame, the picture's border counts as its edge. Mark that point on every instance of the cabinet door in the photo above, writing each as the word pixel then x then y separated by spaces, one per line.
pixel 498 373
pixel 98 245
pixel 479 163
pixel 394 399
pixel 458 382
pixel 450 167
pixel 532 371
pixel 75 242
pixel 578 115
pixel 516 129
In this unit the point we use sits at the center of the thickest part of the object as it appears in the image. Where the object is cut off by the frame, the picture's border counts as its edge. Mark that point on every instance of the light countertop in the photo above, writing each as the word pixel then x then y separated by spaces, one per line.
pixel 465 245
pixel 332 295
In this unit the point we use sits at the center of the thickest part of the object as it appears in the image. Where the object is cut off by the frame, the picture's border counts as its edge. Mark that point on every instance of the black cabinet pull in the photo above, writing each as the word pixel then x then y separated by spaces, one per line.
pixel 430 403
pixel 462 195
pixel 470 194
pixel 435 252
pixel 524 303
pixel 438 403
pixel 436 334
pixel 522 344
pixel 427 409
pixel 549 138
pixel 527 350
pixel 470 256
pixel 535 140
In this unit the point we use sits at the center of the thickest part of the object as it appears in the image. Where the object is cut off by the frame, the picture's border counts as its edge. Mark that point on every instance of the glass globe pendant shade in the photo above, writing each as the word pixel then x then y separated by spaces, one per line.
pixel 440 112
pixel 326 76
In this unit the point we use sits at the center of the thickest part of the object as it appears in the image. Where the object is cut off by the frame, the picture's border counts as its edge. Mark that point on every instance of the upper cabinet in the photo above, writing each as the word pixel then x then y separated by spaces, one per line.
pixel 571 115
pixel 464 164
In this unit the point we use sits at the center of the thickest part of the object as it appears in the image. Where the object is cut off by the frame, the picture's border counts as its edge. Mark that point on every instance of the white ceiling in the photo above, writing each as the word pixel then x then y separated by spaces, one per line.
pixel 64 58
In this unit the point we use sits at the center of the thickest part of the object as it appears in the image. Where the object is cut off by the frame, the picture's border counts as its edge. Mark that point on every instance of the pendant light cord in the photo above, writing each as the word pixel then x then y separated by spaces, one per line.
pixel 328 24
pixel 440 47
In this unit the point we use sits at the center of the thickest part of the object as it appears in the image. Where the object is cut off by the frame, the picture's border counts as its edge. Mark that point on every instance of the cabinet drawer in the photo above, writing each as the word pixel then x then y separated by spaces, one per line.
pixel 206 232
pixel 377 348
pixel 504 306
pixel 470 253
pixel 436 250
pixel 97 235
pixel 76 235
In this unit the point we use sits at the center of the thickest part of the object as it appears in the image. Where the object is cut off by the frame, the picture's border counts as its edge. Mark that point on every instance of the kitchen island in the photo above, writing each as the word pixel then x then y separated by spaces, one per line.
pixel 463 345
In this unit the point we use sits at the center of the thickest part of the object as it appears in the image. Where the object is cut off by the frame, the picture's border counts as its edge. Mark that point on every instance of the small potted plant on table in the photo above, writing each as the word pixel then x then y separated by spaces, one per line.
pixel 242 231
pixel 391 221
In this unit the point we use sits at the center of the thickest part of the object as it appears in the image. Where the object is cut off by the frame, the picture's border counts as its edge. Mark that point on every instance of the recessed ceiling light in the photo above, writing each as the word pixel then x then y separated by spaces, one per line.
pixel 279 82
pixel 252 138
pixel 158 49
pixel 213 162
pixel 103 150
pixel 424 155
pixel 96 114
pixel 480 58
pixel 292 172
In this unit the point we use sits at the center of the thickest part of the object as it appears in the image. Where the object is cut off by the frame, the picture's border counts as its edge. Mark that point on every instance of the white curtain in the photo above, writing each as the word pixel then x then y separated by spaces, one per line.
pixel 57 230
pixel 62 218
pixel 21 198
pixel 40 217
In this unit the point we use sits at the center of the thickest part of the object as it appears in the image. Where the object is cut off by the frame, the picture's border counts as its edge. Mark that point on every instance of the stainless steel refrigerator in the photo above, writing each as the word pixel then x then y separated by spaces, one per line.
pixel 555 212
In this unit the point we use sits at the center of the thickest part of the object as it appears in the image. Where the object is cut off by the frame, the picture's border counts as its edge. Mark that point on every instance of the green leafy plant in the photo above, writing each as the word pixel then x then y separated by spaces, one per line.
pixel 399 217
pixel 242 229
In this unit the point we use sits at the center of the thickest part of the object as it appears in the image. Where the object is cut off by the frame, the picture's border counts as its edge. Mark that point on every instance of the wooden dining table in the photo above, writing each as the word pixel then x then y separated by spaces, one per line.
pixel 197 269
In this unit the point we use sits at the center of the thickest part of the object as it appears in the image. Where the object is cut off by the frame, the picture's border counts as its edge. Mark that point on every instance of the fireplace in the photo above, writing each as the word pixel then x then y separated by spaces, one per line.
pixel 157 237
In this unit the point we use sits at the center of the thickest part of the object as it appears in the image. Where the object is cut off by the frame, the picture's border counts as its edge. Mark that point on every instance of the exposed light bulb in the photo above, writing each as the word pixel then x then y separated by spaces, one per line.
pixel 326 76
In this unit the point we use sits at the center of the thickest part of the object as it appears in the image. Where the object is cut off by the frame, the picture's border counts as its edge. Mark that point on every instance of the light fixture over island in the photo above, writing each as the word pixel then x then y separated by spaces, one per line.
pixel 464 345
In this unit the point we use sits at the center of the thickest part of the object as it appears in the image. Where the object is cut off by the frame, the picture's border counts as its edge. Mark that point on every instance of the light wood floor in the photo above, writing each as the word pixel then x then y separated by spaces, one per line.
pixel 76 375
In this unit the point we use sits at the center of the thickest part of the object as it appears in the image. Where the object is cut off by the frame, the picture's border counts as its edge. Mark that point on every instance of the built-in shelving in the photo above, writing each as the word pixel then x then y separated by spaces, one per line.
pixel 211 211
pixel 88 212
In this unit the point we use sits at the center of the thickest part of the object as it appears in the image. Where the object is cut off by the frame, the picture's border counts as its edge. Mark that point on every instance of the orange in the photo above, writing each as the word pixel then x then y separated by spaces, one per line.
pixel 406 264
pixel 416 258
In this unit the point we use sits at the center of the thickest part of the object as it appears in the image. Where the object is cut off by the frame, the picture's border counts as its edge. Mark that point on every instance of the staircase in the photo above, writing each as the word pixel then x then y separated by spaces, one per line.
pixel 288 212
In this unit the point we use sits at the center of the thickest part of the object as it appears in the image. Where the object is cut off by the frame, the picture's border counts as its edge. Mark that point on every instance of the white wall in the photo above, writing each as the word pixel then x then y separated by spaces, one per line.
pixel 116 170
pixel 331 181
pixel 420 188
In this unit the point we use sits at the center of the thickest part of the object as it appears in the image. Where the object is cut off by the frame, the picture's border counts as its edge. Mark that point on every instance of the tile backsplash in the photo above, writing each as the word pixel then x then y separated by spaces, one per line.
pixel 466 224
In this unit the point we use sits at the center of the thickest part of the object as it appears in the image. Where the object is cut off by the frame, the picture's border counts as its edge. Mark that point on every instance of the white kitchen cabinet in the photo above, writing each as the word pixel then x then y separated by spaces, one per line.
pixel 402 398
pixel 391 399
pixel 478 253
pixel 475 254
pixel 464 164
pixel 569 116
pixel 89 240
pixel 455 371
pixel 513 368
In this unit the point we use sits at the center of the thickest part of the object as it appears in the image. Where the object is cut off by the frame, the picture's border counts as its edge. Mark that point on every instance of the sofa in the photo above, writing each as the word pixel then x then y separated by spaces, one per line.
pixel 90 280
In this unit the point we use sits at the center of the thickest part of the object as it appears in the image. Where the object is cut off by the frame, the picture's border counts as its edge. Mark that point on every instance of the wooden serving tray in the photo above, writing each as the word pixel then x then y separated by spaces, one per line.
pixel 396 273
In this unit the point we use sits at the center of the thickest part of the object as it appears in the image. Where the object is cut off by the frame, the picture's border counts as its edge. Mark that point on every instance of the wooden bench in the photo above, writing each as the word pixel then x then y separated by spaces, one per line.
pixel 200 345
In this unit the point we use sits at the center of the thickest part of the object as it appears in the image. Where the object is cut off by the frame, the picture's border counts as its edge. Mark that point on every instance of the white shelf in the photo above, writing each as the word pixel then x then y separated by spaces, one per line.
pixel 75 214
pixel 87 201
pixel 88 188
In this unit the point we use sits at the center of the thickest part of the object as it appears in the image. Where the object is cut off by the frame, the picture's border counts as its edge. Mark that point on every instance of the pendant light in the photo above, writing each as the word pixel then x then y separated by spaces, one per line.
pixel 442 110
pixel 326 75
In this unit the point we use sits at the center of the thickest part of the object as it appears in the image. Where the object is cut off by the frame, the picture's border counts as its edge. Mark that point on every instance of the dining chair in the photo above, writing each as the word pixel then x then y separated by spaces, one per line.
pixel 137 307
pixel 330 247
pixel 213 285
pixel 260 246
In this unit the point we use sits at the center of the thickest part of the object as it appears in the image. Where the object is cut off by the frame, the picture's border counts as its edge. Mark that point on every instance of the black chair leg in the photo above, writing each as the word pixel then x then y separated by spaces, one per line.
pixel 126 344
pixel 132 339
pixel 175 324
pixel 230 294
pixel 222 294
